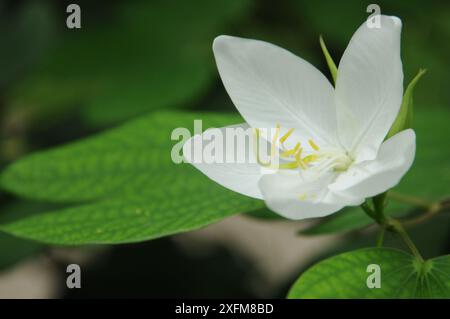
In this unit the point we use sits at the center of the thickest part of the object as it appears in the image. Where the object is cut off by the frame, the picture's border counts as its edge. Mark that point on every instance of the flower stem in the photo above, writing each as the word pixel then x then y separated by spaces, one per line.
pixel 379 203
pixel 374 212
pixel 387 223
pixel 369 211
pixel 380 237
pixel 398 228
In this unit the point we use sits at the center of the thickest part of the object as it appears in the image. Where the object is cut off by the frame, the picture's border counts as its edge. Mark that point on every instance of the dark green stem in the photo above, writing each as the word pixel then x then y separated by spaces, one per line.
pixel 377 213
pixel 398 228
pixel 368 210
pixel 380 237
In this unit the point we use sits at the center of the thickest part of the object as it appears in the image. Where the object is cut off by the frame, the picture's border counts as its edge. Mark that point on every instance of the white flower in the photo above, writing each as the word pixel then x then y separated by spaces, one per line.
pixel 343 156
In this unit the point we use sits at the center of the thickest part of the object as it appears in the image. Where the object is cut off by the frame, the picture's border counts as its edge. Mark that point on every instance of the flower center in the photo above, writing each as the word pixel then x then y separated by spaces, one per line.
pixel 317 159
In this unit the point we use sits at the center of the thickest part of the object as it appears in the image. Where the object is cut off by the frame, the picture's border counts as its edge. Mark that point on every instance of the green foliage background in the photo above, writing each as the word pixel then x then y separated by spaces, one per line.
pixel 137 70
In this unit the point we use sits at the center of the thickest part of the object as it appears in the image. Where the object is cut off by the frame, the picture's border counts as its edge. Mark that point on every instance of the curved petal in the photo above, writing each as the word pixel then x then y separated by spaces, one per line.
pixel 231 165
pixel 370 178
pixel 270 85
pixel 294 198
pixel 369 87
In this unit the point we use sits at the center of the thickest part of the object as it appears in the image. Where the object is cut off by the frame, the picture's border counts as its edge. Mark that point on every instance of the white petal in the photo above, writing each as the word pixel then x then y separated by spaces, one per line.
pixel 370 178
pixel 239 177
pixel 343 198
pixel 294 198
pixel 270 85
pixel 369 87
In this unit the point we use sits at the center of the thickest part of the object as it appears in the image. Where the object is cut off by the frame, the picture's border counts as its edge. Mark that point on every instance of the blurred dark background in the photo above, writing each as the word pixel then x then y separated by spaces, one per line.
pixel 135 57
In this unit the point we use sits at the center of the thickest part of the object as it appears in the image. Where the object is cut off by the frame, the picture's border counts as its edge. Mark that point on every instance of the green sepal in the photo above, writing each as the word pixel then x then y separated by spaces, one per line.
pixel 330 62
pixel 405 115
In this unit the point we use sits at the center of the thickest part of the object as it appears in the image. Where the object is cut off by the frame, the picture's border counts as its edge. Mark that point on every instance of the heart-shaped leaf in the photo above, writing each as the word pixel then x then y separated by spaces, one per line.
pixel 375 273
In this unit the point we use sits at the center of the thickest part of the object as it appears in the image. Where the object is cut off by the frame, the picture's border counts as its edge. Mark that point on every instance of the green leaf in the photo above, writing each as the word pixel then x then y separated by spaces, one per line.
pixel 120 160
pixel 402 276
pixel 264 214
pixel 136 61
pixel 329 59
pixel 431 170
pixel 168 210
pixel 135 191
pixel 404 118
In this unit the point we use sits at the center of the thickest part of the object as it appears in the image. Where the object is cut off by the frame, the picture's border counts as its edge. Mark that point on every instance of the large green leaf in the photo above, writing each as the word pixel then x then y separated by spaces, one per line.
pixel 135 191
pixel 429 178
pixel 147 55
pixel 126 160
pixel 165 211
pixel 264 214
pixel 402 276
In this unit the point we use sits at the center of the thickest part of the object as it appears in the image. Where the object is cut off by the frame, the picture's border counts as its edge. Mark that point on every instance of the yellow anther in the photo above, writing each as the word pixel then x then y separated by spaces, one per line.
pixel 296 152
pixel 302 196
pixel 298 158
pixel 286 136
pixel 291 151
pixel 289 165
pixel 313 145
pixel 310 158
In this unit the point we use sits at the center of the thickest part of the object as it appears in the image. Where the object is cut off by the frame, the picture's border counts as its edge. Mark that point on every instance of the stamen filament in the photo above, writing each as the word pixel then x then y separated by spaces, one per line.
pixel 310 158
pixel 289 165
pixel 291 151
pixel 313 145
pixel 323 160
pixel 286 136
pixel 298 158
